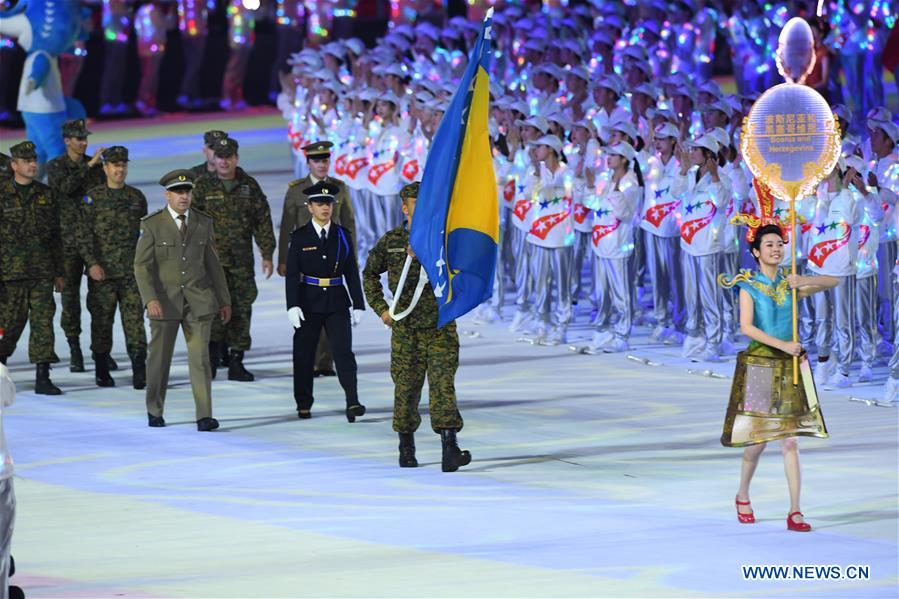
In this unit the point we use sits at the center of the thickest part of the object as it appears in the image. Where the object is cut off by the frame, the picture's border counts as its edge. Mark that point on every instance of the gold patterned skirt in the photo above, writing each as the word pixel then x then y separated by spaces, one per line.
pixel 765 406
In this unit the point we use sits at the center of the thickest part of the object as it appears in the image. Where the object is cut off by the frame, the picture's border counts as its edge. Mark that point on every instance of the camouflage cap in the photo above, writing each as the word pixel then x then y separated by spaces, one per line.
pixel 25 150
pixel 115 154
pixel 177 179
pixel 75 128
pixel 319 149
pixel 410 190
pixel 210 137
pixel 225 147
pixel 322 192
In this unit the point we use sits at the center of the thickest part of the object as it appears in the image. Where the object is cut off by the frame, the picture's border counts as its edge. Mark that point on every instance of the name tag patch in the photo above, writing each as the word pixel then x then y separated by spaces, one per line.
pixel 310 248
pixel 395 250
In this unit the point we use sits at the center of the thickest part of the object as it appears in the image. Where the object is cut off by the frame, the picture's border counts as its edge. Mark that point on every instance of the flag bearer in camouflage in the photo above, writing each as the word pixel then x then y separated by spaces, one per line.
pixel 70 176
pixel 31 264
pixel 209 140
pixel 240 213
pixel 111 216
pixel 417 346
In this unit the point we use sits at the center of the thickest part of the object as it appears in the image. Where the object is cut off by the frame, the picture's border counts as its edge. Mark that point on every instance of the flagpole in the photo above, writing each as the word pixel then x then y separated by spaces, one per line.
pixel 793 242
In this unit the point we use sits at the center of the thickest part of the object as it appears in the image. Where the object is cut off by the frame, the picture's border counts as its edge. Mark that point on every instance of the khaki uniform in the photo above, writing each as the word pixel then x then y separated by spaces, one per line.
pixel 185 275
pixel 70 181
pixel 111 220
pixel 30 258
pixel 295 215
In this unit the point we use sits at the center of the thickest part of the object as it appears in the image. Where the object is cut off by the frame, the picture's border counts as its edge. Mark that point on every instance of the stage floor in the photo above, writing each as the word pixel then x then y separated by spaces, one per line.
pixel 593 476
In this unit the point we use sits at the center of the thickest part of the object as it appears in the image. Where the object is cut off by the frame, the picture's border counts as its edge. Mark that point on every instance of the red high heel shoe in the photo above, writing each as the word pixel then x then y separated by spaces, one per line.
pixel 797 526
pixel 744 518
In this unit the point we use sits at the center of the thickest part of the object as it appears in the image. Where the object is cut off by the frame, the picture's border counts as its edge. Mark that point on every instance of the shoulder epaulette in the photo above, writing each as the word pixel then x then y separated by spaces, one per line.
pixel 152 214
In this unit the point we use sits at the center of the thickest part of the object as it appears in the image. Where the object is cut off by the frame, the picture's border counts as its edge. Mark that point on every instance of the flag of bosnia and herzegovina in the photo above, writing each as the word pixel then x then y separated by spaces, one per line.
pixel 455 226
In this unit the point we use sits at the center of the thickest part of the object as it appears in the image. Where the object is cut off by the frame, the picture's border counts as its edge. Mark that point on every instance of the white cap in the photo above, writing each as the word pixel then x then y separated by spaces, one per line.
pixel 536 121
pixel 552 141
pixel 721 136
pixel 856 162
pixel 890 128
pixel 625 127
pixel 723 106
pixel 666 130
pixel 622 148
pixel 843 112
pixel 611 82
pixel 705 141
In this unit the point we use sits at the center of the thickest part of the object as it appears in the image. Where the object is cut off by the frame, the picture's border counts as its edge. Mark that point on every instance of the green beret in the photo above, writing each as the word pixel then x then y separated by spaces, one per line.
pixel 75 128
pixel 410 191
pixel 115 154
pixel 178 178
pixel 24 150
pixel 225 147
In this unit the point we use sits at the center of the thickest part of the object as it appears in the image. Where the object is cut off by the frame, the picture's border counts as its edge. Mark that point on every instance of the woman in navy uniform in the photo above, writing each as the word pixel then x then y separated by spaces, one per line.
pixel 322 285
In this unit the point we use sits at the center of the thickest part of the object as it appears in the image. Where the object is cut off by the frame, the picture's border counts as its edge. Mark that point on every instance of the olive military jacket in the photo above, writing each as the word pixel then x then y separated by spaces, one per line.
pixel 296 213
pixel 70 181
pixel 111 220
pixel 30 245
pixel 239 216
pixel 179 271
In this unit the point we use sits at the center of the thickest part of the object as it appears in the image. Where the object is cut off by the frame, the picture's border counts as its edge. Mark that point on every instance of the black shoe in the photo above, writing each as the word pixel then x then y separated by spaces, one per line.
pixel 16 592
pixel 354 410
pixel 224 352
pixel 324 372
pixel 207 424
pixel 236 371
pixel 155 421
pixel 76 358
pixel 407 451
pixel 113 365
pixel 101 372
pixel 453 457
pixel 304 414
pixel 42 383
pixel 139 370
pixel 215 358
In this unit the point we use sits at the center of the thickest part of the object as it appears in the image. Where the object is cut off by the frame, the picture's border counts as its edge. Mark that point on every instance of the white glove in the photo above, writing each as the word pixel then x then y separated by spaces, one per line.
pixel 295 316
pixel 357 316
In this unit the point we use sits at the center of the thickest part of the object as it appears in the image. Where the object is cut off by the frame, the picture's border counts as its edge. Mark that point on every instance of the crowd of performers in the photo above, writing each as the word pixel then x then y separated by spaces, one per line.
pixel 619 174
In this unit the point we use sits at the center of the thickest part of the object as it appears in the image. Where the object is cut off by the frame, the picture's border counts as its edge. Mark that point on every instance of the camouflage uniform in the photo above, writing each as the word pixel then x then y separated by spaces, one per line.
pixel 417 346
pixel 111 219
pixel 30 258
pixel 70 182
pixel 239 214
pixel 209 138
pixel 5 171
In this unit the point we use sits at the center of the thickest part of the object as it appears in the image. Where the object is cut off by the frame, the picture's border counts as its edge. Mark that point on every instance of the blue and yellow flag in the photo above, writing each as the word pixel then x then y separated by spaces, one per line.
pixel 455 226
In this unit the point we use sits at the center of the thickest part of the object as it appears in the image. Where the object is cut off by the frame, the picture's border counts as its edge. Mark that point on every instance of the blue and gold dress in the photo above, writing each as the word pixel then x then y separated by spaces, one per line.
pixel 764 403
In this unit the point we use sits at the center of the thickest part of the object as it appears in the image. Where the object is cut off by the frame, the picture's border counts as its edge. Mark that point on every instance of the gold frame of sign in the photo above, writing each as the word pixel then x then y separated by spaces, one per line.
pixel 765 405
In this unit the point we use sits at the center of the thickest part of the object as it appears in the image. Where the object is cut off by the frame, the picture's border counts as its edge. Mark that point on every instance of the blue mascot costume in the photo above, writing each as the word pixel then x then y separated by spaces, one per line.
pixel 45 29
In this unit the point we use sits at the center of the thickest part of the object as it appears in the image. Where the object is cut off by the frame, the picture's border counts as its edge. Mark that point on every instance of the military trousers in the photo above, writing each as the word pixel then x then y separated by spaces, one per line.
pixel 29 302
pixel 159 361
pixel 305 341
pixel 242 287
pixel 835 313
pixel 73 271
pixel 102 299
pixel 415 354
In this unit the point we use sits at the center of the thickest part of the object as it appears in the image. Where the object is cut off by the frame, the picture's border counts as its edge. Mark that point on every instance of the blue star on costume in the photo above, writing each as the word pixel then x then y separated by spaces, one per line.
pixel 544 204
pixel 821 229
pixel 659 192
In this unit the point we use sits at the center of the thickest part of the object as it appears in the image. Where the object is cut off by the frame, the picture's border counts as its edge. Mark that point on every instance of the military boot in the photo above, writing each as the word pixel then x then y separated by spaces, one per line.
pixel 76 358
pixel 226 357
pixel 453 457
pixel 215 357
pixel 113 365
pixel 236 371
pixel 42 383
pixel 101 371
pixel 407 451
pixel 139 370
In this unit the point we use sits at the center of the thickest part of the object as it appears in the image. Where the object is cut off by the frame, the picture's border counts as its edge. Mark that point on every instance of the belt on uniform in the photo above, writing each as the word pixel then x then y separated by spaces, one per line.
pixel 322 282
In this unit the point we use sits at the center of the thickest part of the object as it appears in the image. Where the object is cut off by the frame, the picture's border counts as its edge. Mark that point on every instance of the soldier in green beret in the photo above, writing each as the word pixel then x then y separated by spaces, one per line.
pixel 183 286
pixel 209 140
pixel 296 214
pixel 241 214
pixel 111 219
pixel 417 347
pixel 31 264
pixel 70 176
